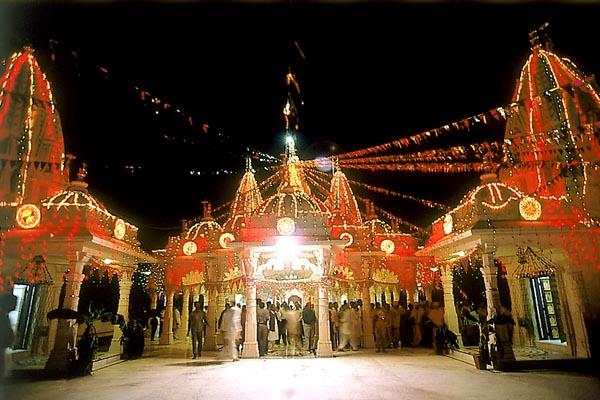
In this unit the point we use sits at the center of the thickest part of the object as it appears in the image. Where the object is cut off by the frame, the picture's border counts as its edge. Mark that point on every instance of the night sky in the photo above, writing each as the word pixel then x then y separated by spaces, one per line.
pixel 372 73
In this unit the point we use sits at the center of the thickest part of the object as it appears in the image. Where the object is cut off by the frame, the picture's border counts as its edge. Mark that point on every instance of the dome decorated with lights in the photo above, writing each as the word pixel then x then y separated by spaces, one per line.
pixel 208 229
pixel 292 203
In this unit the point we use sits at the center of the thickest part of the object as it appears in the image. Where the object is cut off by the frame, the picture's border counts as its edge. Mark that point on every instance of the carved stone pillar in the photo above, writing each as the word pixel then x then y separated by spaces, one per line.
pixel 500 335
pixel 250 343
pixel 412 293
pixel 45 330
pixel 324 343
pixel 367 318
pixel 185 314
pixel 428 292
pixel 123 309
pixel 450 315
pixel 210 342
pixel 166 336
pixel 66 329
pixel 519 310
pixel 573 308
pixel 153 299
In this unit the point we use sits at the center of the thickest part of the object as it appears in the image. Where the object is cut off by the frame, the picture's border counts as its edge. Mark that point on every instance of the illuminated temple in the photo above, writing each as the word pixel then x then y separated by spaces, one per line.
pixel 530 227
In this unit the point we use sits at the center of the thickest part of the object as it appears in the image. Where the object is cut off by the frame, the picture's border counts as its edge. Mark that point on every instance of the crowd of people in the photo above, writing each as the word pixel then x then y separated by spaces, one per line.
pixel 291 330
pixel 420 324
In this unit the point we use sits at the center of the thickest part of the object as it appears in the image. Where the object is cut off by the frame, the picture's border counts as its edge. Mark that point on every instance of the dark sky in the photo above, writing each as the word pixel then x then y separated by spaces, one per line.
pixel 373 73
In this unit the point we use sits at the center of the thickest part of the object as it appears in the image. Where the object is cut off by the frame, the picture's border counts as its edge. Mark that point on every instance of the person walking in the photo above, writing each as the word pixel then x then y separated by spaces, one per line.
pixel 293 319
pixel 347 330
pixel 273 335
pixel 197 326
pixel 381 329
pixel 231 326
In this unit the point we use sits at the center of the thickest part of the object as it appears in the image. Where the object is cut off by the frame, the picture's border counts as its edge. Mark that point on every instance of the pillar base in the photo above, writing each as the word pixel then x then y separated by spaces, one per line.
pixel 57 365
pixel 115 344
pixel 368 342
pixel 324 349
pixel 250 350
pixel 167 339
pixel 210 343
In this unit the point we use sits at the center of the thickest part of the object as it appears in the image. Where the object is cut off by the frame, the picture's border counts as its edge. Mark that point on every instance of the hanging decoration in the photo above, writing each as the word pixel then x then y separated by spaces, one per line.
pixel 532 265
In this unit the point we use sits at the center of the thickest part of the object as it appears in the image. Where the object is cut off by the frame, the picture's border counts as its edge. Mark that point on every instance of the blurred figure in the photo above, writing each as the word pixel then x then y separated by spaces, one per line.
pixel 381 328
pixel 231 326
pixel 293 319
pixel 8 303
pixel 273 326
pixel 347 329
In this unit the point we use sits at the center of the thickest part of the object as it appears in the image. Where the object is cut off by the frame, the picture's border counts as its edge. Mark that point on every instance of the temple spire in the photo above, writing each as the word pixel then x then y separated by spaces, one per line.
pixel 249 164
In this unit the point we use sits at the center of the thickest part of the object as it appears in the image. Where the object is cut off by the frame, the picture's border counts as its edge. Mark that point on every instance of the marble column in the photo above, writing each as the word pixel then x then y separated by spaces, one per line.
pixel 324 343
pixel 250 343
pixel 428 292
pixel 66 329
pixel 166 336
pixel 153 299
pixel 195 293
pixel 573 306
pixel 367 319
pixel 518 309
pixel 500 335
pixel 450 315
pixel 412 294
pixel 210 342
pixel 45 329
pixel 123 309
pixel 185 314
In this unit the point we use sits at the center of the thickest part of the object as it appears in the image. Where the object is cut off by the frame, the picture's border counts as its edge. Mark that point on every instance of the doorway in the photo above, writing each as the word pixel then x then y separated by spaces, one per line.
pixel 546 307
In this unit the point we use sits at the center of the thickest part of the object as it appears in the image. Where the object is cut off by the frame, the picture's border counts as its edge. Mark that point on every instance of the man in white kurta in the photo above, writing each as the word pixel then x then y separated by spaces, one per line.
pixel 231 326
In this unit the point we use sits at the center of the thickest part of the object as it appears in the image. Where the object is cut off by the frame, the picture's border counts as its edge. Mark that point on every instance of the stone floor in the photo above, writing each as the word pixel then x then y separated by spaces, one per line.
pixel 170 373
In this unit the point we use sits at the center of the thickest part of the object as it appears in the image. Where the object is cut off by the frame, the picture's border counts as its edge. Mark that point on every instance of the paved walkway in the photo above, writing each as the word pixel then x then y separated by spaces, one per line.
pixel 170 373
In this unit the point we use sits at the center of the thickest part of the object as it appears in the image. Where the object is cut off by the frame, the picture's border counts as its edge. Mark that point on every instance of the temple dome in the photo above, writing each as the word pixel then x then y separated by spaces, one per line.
pixel 207 228
pixel 378 227
pixel 210 230
pixel 290 202
pixel 76 195
pixel 493 194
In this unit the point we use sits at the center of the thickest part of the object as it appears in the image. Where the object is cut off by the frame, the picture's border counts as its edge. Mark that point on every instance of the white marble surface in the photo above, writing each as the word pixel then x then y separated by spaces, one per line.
pixel 170 373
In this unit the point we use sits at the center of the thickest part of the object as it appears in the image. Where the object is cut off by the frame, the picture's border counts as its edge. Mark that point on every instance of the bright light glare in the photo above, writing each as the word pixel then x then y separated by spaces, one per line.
pixel 286 248
pixel 108 261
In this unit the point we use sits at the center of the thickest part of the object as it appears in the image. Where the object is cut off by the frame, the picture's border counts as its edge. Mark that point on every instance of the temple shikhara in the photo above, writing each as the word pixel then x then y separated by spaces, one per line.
pixel 529 230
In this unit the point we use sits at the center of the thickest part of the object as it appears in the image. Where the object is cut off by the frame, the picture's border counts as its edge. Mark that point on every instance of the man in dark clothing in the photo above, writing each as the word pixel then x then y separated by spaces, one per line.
pixel 197 325
pixel 153 327
pixel 262 318
pixel 309 320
